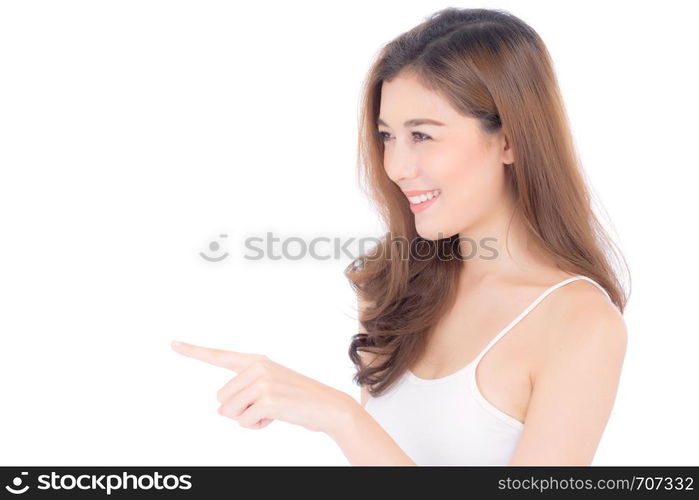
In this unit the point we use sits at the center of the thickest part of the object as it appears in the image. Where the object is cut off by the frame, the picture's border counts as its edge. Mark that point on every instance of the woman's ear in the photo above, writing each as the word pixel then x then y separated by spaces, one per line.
pixel 508 156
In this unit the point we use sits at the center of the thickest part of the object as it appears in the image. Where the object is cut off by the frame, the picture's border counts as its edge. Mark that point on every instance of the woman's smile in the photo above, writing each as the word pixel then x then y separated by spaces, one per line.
pixel 424 201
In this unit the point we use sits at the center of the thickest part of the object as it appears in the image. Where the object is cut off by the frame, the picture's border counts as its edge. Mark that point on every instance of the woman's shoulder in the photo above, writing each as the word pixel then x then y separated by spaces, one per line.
pixel 584 300
pixel 583 321
pixel 573 298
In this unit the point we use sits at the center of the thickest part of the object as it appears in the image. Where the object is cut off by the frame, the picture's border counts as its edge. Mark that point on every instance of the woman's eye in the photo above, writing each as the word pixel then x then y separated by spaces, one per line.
pixel 423 137
pixel 420 136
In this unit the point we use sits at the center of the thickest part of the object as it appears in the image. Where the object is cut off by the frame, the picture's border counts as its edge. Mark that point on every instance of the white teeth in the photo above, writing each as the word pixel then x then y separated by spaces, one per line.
pixel 424 197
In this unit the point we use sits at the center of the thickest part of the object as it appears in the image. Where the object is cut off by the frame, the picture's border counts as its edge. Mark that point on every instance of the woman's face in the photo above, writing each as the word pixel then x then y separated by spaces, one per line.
pixel 457 158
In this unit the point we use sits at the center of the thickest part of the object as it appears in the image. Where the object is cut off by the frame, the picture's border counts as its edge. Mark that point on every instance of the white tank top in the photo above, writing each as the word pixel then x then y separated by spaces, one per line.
pixel 447 421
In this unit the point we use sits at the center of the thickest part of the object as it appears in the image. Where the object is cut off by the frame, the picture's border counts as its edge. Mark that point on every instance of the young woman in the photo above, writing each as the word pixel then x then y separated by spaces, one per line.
pixel 505 345
pixel 491 328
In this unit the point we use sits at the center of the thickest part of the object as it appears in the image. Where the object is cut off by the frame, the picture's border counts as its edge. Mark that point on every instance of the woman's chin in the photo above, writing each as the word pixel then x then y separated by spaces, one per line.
pixel 430 232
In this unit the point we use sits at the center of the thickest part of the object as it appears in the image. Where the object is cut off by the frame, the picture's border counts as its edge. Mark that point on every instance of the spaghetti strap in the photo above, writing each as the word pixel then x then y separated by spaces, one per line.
pixel 532 306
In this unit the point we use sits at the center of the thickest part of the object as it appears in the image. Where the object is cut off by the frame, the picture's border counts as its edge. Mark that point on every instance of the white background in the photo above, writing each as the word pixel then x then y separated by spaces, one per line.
pixel 133 133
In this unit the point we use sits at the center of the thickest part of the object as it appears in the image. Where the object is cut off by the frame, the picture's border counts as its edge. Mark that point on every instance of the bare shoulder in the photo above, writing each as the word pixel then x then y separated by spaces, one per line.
pixel 582 321
pixel 583 294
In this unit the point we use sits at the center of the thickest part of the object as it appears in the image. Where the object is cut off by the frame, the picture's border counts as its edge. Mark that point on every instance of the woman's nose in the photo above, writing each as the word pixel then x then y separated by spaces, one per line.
pixel 400 166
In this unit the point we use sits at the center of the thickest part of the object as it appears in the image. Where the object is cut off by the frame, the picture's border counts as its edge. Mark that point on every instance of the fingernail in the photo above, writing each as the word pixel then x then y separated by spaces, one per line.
pixel 175 343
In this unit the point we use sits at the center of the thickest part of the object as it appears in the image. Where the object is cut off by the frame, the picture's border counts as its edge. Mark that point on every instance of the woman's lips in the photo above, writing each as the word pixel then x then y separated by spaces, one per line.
pixel 419 207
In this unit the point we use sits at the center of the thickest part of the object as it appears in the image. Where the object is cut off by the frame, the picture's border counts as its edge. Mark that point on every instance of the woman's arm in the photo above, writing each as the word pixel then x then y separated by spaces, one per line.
pixel 363 440
pixel 575 387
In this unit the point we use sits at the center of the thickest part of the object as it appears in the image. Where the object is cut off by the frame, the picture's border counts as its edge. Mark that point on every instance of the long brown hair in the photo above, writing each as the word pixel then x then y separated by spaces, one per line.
pixel 492 66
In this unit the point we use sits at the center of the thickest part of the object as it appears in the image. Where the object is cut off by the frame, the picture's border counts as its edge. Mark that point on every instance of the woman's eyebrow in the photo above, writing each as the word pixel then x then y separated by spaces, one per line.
pixel 414 122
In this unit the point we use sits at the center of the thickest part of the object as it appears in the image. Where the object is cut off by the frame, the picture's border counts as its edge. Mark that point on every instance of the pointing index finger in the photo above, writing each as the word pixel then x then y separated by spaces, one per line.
pixel 236 361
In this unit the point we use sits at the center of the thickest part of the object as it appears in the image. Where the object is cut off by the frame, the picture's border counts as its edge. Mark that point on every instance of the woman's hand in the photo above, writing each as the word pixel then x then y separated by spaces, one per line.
pixel 263 391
